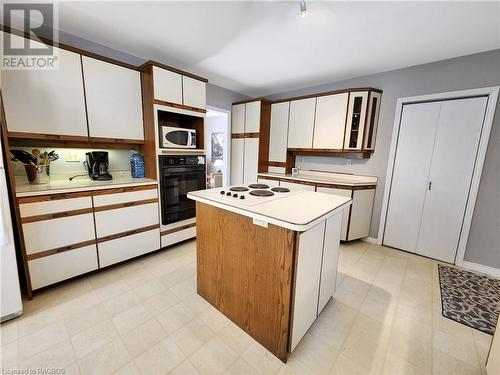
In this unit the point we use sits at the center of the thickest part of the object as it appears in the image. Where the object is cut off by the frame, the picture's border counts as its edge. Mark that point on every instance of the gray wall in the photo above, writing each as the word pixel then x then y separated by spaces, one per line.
pixel 467 72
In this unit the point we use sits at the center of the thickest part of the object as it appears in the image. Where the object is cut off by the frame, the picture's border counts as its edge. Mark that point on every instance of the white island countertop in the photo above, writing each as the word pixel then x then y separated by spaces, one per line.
pixel 297 210
pixel 56 186
pixel 325 178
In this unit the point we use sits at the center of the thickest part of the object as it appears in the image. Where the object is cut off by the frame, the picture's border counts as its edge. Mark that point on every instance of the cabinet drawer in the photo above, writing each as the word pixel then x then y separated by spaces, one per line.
pixel 125 219
pixel 54 268
pixel 297 186
pixel 127 247
pixel 51 234
pixel 131 196
pixel 175 237
pixel 54 206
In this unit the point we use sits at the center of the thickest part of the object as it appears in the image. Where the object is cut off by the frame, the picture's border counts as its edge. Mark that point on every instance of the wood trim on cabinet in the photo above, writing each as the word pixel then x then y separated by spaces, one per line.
pixel 259 99
pixel 61 249
pixel 22 262
pixel 55 215
pixel 279 164
pixel 124 189
pixel 326 93
pixel 264 133
pixel 128 233
pixel 179 106
pixel 30 142
pixel 125 204
pixel 149 147
pixel 51 137
pixel 356 154
pixel 178 229
pixel 116 140
pixel 151 63
pixel 53 197
pixel 300 182
pixel 245 135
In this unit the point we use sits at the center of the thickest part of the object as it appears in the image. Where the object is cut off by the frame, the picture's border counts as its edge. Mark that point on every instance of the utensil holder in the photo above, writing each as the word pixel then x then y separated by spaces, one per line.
pixel 37 174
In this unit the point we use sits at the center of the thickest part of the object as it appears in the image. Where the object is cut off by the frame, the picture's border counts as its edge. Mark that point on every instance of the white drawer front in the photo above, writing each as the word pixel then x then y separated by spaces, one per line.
pixel 297 185
pixel 50 207
pixel 123 248
pixel 54 268
pixel 124 219
pixel 54 233
pixel 139 195
pixel 173 238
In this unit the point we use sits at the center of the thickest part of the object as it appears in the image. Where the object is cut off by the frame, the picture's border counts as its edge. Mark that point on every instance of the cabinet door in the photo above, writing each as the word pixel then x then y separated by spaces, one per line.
pixel 356 116
pixel 252 117
pixel 361 214
pixel 278 136
pixel 251 160
pixel 114 101
pixel 238 118
pixel 301 124
pixel 297 186
pixel 329 125
pixel 167 85
pixel 194 93
pixel 46 101
pixel 372 120
pixel 345 214
pixel 330 260
pixel 307 279
pixel 237 151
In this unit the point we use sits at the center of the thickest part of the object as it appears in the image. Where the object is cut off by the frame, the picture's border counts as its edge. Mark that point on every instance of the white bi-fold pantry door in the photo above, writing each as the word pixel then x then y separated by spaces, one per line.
pixel 435 157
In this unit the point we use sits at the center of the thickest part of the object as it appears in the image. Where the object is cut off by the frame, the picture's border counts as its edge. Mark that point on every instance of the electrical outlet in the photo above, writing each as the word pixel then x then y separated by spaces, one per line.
pixel 348 162
pixel 72 156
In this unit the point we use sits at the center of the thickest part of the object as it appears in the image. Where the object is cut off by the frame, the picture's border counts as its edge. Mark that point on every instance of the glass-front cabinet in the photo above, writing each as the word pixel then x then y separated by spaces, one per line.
pixel 373 112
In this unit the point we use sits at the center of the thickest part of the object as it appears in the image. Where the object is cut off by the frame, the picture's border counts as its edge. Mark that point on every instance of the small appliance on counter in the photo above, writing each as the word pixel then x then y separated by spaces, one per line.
pixel 172 137
pixel 137 165
pixel 36 164
pixel 97 165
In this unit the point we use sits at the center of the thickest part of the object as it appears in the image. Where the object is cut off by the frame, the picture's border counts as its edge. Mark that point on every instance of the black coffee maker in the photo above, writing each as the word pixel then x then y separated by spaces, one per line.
pixel 97 165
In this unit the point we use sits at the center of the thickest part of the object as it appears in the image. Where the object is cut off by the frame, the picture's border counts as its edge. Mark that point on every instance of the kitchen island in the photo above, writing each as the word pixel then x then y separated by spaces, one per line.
pixel 267 258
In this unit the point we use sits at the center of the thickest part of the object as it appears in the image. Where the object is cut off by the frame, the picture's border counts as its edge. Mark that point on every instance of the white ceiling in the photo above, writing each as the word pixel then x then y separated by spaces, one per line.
pixel 265 47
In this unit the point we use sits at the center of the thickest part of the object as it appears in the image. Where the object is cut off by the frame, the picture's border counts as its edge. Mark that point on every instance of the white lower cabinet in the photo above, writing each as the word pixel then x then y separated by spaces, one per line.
pixel 124 219
pixel 345 215
pixel 55 233
pixel 127 247
pixel 237 157
pixel 58 267
pixel 361 213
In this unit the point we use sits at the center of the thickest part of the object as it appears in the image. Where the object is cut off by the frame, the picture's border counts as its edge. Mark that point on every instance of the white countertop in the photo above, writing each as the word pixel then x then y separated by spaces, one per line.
pixel 25 189
pixel 328 178
pixel 298 211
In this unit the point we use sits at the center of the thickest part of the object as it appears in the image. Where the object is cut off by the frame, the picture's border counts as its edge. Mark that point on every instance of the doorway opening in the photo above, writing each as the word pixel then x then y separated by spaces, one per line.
pixel 217 130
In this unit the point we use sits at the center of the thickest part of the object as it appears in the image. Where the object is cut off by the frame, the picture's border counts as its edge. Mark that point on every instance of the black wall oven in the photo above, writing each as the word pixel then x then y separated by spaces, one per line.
pixel 180 174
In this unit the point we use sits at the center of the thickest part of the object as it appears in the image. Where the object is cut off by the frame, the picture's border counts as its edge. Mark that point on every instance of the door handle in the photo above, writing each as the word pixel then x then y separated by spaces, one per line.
pixel 430 185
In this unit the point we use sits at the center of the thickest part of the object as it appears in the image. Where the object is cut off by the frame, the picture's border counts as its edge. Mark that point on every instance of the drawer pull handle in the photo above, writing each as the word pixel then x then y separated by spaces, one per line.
pixel 129 204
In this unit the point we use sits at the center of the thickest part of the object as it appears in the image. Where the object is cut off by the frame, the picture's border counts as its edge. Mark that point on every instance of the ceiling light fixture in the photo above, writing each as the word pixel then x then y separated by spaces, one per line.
pixel 303 8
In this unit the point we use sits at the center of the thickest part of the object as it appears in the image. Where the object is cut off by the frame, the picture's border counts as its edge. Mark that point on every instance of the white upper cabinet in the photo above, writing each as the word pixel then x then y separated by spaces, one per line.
pixel 356 116
pixel 301 123
pixel 279 131
pixel 372 120
pixel 114 102
pixel 46 101
pixel 167 85
pixel 330 121
pixel 194 93
pixel 252 117
pixel 238 118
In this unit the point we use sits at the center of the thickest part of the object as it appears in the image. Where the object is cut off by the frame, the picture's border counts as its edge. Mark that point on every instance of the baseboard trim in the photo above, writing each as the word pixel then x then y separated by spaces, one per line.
pixel 372 240
pixel 480 268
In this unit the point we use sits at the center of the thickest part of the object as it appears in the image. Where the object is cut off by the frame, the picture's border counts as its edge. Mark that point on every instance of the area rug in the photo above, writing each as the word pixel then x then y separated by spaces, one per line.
pixel 470 298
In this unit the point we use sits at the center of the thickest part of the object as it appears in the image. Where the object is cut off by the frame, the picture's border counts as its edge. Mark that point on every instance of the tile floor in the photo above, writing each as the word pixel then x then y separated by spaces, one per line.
pixel 144 317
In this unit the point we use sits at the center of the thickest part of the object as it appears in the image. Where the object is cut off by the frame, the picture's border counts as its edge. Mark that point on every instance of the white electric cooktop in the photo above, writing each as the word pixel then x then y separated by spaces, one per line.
pixel 249 195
